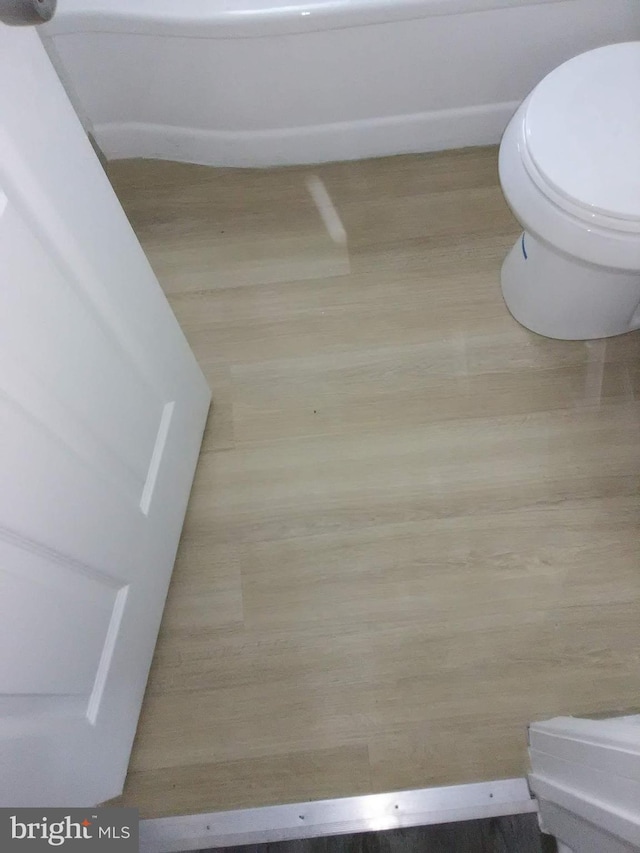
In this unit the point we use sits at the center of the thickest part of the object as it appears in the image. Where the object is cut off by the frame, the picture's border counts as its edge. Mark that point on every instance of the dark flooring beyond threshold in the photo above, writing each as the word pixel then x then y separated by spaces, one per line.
pixel 512 834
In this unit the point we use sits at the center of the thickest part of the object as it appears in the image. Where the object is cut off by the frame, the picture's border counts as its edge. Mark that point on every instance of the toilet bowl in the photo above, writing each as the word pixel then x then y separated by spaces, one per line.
pixel 570 171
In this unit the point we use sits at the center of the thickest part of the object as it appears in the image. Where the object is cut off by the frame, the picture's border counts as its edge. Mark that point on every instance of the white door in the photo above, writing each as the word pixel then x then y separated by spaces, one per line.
pixel 102 408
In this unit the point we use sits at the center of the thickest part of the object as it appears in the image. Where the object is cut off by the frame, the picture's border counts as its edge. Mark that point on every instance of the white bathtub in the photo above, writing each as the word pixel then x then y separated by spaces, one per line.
pixel 264 82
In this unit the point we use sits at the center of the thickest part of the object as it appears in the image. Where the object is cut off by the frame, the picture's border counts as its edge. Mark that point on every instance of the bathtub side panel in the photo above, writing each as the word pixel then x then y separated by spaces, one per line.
pixel 420 85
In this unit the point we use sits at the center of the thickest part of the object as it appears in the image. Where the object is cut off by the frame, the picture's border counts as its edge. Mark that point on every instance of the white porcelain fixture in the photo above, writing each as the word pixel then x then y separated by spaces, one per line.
pixel 266 82
pixel 570 171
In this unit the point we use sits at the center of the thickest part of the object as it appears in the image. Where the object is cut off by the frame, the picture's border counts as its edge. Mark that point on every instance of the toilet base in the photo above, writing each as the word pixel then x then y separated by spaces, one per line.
pixel 561 297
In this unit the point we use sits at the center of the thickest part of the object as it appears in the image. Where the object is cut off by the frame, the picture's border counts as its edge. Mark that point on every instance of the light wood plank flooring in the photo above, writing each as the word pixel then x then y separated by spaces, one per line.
pixel 414 525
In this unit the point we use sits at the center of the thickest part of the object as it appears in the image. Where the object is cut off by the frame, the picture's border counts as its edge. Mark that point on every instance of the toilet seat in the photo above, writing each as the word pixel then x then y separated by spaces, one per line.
pixel 580 137
pixel 570 227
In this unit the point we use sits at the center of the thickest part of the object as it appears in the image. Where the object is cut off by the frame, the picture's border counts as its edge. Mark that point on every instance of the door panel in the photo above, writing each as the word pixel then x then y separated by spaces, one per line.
pixel 55 620
pixel 45 303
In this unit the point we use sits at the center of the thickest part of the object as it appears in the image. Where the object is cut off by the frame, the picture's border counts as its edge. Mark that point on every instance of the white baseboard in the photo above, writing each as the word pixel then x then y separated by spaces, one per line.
pixel 380 137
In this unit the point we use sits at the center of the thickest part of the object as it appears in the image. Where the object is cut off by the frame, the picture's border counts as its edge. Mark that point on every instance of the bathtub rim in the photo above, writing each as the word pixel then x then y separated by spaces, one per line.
pixel 227 19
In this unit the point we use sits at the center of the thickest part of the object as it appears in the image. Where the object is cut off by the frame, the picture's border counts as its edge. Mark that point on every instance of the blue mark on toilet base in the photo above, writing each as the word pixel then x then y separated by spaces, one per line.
pixel 524 251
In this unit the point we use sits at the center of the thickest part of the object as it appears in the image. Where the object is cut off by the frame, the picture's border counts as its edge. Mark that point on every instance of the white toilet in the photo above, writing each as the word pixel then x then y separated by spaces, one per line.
pixel 570 171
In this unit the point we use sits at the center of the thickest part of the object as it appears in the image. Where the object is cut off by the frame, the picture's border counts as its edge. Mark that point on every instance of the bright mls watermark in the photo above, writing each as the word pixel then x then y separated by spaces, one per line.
pixel 107 829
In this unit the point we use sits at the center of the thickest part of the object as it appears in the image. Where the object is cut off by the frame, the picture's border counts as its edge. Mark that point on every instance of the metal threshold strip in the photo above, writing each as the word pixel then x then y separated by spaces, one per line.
pixel 369 813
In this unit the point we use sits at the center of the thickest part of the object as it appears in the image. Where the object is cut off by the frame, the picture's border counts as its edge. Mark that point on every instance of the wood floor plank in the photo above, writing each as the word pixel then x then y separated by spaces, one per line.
pixel 189 789
pixel 414 524
pixel 456 470
pixel 263 227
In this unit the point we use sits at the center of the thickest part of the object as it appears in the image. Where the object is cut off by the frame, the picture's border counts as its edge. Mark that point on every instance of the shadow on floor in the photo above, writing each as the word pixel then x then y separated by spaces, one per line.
pixel 513 834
